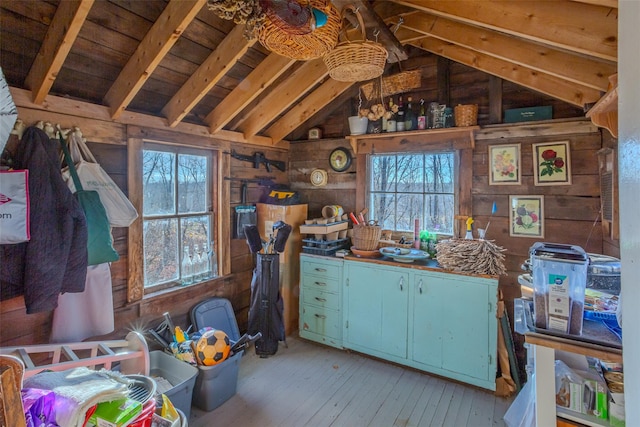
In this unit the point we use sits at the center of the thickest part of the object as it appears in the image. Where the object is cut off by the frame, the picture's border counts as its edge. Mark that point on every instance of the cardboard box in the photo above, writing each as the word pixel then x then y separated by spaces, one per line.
pixel 116 413
pixel 528 114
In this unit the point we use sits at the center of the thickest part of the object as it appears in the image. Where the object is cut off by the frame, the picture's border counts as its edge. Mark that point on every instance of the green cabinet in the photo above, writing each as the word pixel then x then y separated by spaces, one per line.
pixel 438 322
pixel 321 300
pixel 375 302
pixel 453 326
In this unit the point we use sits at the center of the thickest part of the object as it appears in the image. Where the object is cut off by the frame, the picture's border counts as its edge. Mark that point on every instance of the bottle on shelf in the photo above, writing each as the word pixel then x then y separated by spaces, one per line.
pixel 198 264
pixel 422 118
pixel 400 120
pixel 391 121
pixel 186 267
pixel 410 119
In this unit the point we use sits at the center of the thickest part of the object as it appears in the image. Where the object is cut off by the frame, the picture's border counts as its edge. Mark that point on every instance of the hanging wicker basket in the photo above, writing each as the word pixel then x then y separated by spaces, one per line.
pixel 303 46
pixel 393 84
pixel 356 61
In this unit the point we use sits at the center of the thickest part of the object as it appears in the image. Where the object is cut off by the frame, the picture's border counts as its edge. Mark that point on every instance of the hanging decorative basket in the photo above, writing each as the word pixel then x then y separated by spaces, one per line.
pixel 356 61
pixel 283 41
pixel 393 84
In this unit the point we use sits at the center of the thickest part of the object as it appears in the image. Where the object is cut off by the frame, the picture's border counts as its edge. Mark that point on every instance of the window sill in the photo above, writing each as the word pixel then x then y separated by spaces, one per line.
pixel 178 288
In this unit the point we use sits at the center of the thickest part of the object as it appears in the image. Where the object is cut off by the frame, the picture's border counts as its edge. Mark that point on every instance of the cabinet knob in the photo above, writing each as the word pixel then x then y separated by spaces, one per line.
pixel 321 316
pixel 320 283
pixel 321 299
pixel 420 286
pixel 322 270
pixel 402 283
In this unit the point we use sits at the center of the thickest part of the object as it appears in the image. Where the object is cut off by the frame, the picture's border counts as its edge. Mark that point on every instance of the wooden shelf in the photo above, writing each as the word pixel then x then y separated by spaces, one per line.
pixel 605 112
pixel 456 137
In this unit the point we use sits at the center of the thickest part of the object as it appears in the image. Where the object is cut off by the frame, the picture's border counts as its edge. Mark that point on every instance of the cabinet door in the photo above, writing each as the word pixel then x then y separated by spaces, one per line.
pixel 376 302
pixel 470 324
pixel 427 313
pixel 454 324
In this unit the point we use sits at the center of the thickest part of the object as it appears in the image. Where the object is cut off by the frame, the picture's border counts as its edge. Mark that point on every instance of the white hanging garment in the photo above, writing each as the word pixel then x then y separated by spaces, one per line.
pixel 85 314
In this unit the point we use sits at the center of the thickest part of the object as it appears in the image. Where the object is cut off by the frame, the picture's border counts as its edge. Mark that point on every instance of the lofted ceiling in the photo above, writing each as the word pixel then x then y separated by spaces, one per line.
pixel 175 62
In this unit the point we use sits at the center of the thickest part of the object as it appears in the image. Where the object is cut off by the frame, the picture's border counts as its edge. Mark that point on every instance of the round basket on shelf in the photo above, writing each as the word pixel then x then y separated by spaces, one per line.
pixel 466 115
pixel 365 237
pixel 356 61
pixel 303 46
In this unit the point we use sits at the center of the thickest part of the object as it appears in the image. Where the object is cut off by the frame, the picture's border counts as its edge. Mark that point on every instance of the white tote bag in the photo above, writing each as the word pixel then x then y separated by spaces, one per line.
pixel 14 206
pixel 120 211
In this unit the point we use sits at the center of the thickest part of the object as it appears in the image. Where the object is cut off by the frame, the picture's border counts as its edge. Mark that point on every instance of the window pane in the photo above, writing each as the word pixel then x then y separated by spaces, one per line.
pixel 383 173
pixel 192 178
pixel 158 183
pixel 383 210
pixel 195 231
pixel 439 169
pixel 410 173
pixel 160 251
pixel 409 208
pixel 439 213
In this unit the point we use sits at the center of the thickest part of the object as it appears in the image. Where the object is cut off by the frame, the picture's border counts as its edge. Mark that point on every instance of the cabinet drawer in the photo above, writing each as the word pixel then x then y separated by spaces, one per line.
pixel 321 321
pixel 320 298
pixel 326 284
pixel 322 269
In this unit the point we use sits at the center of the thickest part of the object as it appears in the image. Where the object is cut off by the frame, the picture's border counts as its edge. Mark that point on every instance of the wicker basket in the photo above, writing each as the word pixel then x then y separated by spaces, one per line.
pixel 366 237
pixel 391 85
pixel 466 115
pixel 303 46
pixel 356 61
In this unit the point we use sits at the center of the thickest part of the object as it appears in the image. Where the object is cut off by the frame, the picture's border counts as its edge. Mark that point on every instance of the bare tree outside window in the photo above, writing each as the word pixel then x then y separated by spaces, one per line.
pixel 176 212
pixel 404 187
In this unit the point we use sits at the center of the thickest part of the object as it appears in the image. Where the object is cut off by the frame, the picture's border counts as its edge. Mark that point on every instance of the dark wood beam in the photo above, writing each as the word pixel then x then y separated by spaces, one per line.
pixel 375 25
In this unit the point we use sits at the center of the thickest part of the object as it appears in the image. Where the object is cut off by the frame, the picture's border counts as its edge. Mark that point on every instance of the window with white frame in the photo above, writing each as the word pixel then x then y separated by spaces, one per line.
pixel 406 186
pixel 178 219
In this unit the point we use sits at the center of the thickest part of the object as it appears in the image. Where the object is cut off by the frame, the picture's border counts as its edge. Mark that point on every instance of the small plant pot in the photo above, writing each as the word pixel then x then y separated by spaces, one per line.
pixel 358 125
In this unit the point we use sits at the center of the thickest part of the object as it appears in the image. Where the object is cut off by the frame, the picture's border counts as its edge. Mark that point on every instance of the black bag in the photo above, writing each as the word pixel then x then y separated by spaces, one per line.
pixel 267 307
pixel 100 242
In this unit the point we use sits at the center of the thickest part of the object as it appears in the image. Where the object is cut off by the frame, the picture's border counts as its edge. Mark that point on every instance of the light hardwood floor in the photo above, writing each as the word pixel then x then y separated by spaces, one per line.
pixel 308 384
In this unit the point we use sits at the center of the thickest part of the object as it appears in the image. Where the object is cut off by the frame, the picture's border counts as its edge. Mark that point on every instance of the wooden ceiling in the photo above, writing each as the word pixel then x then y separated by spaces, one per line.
pixel 176 62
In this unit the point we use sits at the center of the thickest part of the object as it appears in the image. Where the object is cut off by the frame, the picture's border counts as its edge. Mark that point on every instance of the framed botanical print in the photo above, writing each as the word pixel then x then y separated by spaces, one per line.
pixel 526 216
pixel 504 164
pixel 551 163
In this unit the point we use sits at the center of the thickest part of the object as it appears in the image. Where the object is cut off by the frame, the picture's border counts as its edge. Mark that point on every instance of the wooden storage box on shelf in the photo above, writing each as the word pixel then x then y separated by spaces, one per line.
pixel 323 228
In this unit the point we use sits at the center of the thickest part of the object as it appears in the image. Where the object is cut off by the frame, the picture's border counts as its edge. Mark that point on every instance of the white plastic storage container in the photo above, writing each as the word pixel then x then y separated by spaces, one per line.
pixel 216 384
pixel 181 375
pixel 559 274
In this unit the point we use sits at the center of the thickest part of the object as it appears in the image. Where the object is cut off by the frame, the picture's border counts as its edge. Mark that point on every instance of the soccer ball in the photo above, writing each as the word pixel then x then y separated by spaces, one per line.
pixel 213 347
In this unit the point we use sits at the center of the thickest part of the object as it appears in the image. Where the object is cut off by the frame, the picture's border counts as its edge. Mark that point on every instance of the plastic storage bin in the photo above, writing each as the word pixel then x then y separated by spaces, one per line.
pixel 559 275
pixel 216 384
pixel 181 375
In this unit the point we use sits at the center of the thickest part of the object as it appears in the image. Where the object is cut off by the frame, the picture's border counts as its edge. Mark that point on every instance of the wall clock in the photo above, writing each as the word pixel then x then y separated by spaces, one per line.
pixel 319 177
pixel 340 159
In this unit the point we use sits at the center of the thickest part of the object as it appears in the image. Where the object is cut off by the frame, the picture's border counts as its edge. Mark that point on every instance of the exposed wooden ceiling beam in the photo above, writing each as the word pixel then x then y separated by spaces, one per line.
pixel 564 90
pixel 283 96
pixel 591 30
pixel 62 32
pixel 70 108
pixel 152 49
pixel 305 109
pixel 249 88
pixel 374 24
pixel 228 52
pixel 605 3
pixel 560 63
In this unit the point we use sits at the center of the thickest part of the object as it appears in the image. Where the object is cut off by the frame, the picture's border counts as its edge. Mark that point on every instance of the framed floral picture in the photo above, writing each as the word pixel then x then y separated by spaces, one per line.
pixel 551 163
pixel 504 164
pixel 526 216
